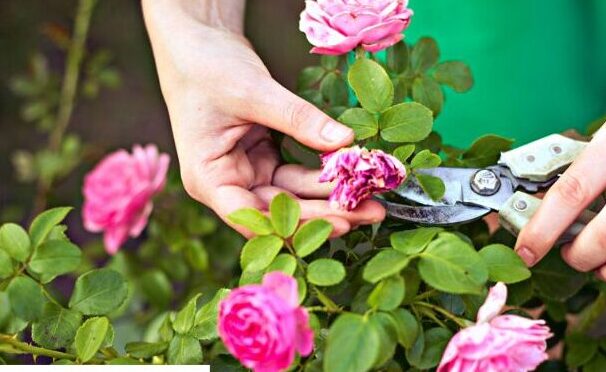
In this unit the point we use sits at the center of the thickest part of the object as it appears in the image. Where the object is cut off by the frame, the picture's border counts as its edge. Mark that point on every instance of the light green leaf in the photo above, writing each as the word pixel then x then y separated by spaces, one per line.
pixel 145 349
pixel 385 327
pixel 363 123
pixel 454 74
pixel 15 241
pixel 285 213
pixel 504 265
pixel 485 151
pixel 56 327
pixel 311 236
pixel 402 153
pixel 44 223
pixel 26 298
pixel 205 327
pixel 99 292
pixel 283 262
pixel 425 159
pixel 387 294
pixel 397 57
pixel 329 62
pixel 196 254
pixel 184 350
pixel 184 320
pixel 428 348
pixel 259 252
pixel 386 263
pixel 90 337
pixel 253 220
pixel 425 54
pixel 53 258
pixel 406 122
pixel 433 186
pixel 6 265
pixel 352 345
pixel 451 265
pixel 427 91
pixel 371 84
pixel 413 241
pixel 325 272
pixel 156 286
pixel 407 327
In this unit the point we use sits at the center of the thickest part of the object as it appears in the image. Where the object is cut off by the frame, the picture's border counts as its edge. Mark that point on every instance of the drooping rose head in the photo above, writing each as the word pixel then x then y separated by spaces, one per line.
pixel 336 27
pixel 118 193
pixel 263 325
pixel 359 173
pixel 497 342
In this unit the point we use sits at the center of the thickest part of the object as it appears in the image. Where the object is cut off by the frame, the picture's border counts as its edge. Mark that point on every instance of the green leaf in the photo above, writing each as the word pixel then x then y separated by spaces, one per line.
pixel 406 122
pixel 196 254
pixel 184 320
pixel 334 89
pixel 425 159
pixel 325 272
pixel 371 84
pixel 433 186
pixel 205 327
pixel 485 151
pixel 156 286
pixel 425 54
pixel 124 361
pixel 414 241
pixel 90 337
pixel 253 220
pixel 184 350
pixel 363 123
pixel 56 327
pixel 6 265
pixel 386 263
pixel 44 223
pixel 145 349
pixel 596 364
pixel 15 241
pixel 311 236
pixel 451 265
pixel 385 327
pixel 554 279
pixel 388 294
pixel 407 327
pixel 285 213
pixel 428 348
pixel 53 258
pixel 455 74
pixel 427 91
pixel 283 262
pixel 99 292
pixel 309 77
pixel 26 298
pixel 259 252
pixel 397 57
pixel 352 344
pixel 504 265
pixel 402 153
pixel 580 349
pixel 329 62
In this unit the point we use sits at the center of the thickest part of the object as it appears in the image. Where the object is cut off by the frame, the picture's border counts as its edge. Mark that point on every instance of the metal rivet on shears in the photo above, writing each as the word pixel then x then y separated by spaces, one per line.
pixel 530 158
pixel 520 205
pixel 485 182
pixel 556 149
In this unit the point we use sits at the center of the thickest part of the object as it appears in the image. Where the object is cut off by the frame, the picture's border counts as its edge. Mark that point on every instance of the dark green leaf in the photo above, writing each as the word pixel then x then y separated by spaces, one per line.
pixel 259 252
pixel 253 220
pixel 184 350
pixel 90 337
pixel 352 345
pixel 15 241
pixel 329 62
pixel 145 349
pixel 407 327
pixel 99 292
pixel 486 150
pixel 427 91
pixel 414 241
pixel 386 263
pixel 433 186
pixel 454 74
pixel 371 84
pixel 363 123
pixel 554 279
pixel 53 258
pixel 325 272
pixel 334 89
pixel 311 236
pixel 56 327
pixel 406 122
pixel 285 213
pixel 397 57
pixel 596 364
pixel 387 294
pixel 580 349
pixel 184 320
pixel 309 77
pixel 44 223
pixel 196 254
pixel 157 288
pixel 425 159
pixel 402 153
pixel 26 298
pixel 504 265
pixel 428 348
pixel 425 54
pixel 283 262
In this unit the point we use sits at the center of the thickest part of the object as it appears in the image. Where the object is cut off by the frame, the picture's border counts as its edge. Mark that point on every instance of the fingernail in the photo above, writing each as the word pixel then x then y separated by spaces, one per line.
pixel 334 132
pixel 527 256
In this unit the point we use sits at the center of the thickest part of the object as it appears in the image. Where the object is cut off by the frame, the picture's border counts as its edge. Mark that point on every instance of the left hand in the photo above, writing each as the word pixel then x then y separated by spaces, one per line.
pixel 575 190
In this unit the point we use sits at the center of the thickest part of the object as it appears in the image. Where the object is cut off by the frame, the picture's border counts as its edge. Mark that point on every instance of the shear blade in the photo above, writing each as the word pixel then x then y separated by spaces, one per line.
pixel 438 215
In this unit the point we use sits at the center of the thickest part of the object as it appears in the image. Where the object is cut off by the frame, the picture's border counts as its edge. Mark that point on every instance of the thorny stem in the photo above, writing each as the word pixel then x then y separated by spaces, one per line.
pixel 19 347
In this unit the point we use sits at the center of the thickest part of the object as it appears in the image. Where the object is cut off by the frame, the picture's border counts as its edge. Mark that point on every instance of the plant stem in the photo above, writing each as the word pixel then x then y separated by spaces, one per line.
pixel 447 314
pixel 360 53
pixel 25 348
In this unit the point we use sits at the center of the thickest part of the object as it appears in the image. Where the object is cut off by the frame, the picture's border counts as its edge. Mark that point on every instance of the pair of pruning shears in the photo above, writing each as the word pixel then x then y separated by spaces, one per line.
pixel 505 187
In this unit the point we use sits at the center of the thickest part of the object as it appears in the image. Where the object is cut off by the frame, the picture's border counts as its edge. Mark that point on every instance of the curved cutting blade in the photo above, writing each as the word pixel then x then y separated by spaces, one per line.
pixel 435 215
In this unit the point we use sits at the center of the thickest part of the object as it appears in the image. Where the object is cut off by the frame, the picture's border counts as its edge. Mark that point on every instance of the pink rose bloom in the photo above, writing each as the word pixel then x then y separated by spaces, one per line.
pixel 336 27
pixel 118 193
pixel 360 173
pixel 496 342
pixel 263 325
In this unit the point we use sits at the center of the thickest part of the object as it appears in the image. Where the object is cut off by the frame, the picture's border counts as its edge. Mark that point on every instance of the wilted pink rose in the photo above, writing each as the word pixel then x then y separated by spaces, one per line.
pixel 497 342
pixel 263 325
pixel 118 193
pixel 338 26
pixel 360 173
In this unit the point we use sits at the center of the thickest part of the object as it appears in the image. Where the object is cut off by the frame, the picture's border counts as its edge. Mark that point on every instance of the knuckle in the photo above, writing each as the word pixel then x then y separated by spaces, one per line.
pixel 298 113
pixel 570 190
pixel 576 260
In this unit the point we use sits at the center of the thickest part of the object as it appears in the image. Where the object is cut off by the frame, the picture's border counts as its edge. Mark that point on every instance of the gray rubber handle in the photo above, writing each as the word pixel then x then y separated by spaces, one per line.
pixel 519 209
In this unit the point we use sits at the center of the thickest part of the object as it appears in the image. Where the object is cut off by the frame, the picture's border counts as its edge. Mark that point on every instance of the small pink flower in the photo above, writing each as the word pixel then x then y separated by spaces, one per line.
pixel 118 193
pixel 497 342
pixel 336 27
pixel 263 325
pixel 360 173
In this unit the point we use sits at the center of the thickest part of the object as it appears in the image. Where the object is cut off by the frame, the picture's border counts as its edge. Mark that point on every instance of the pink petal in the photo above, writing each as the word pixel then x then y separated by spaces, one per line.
pixel 284 286
pixel 383 44
pixel 497 296
pixel 381 31
pixel 114 238
pixel 304 341
pixel 351 24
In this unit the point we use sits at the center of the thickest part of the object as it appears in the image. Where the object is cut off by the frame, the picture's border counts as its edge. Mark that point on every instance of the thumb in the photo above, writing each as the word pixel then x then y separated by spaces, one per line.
pixel 275 107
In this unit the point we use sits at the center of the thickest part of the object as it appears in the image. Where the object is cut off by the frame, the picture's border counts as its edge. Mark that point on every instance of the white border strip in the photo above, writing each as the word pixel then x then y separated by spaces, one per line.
pixel 103 368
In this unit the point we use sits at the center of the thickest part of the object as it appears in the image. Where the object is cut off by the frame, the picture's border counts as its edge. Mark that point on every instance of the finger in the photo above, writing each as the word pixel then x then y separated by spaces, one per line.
pixel 301 181
pixel 563 203
pixel 588 251
pixel 264 159
pixel 274 106
pixel 601 273
pixel 340 226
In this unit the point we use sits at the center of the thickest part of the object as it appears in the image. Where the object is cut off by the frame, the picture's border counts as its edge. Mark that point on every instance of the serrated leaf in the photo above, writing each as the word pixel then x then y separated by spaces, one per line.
pixel 325 272
pixel 285 213
pixel 425 159
pixel 397 57
pixel 363 123
pixel 311 236
pixel 402 153
pixel 352 344
pixel 504 265
pixel 205 327
pixel 413 241
pixel 184 320
pixel 386 263
pixel 407 327
pixel 283 262
pixel 90 337
pixel 56 327
pixel 580 349
pixel 44 223
pixel 371 84
pixel 53 258
pixel 253 220
pixel 455 74
pixel 433 186
pixel 334 90
pixel 388 293
pixel 428 348
pixel 385 327
pixel 6 265
pixel 485 151
pixel 406 122
pixel 554 279
pixel 99 292
pixel 15 241
pixel 145 349
pixel 309 77
pixel 425 54
pixel 156 286
pixel 427 91
pixel 259 252
pixel 184 350
pixel 329 62
pixel 26 298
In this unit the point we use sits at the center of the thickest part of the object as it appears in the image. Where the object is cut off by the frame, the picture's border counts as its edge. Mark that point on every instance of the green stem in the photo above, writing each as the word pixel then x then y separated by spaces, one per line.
pixel 360 53
pixel 321 309
pixel 426 295
pixel 19 347
pixel 447 314
pixel 591 314
pixel 326 301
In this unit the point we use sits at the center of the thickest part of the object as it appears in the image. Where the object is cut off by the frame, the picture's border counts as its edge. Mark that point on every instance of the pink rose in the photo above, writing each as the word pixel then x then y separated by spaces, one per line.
pixel 338 26
pixel 497 342
pixel 118 193
pixel 360 173
pixel 263 325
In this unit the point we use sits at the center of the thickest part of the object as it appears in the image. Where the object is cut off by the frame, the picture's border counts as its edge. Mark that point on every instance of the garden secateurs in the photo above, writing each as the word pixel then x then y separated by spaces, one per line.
pixel 506 187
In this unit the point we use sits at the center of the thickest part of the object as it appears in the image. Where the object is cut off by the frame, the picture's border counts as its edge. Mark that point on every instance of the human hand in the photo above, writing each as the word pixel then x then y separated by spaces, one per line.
pixel 580 185
pixel 222 100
